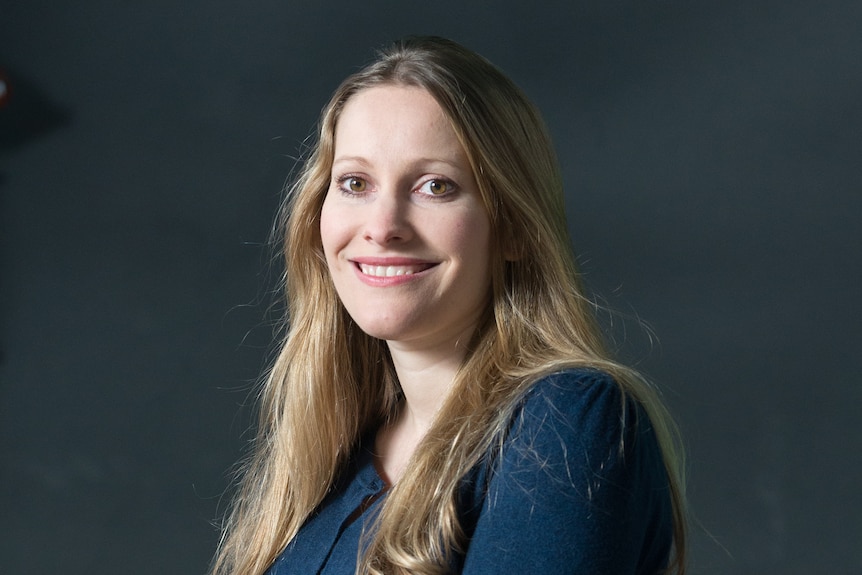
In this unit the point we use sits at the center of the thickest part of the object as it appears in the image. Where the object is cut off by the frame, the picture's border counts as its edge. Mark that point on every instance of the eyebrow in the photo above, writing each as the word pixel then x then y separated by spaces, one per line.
pixel 457 164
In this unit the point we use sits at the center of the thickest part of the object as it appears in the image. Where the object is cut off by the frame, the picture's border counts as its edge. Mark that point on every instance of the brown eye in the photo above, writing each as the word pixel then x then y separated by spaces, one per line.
pixel 437 187
pixel 356 185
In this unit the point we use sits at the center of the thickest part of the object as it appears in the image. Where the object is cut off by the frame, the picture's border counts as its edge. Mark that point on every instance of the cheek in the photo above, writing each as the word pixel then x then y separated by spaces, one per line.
pixel 330 230
pixel 472 239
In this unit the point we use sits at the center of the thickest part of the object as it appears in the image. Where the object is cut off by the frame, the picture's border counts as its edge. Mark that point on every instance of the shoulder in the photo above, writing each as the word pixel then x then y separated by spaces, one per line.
pixel 578 484
pixel 578 428
pixel 580 386
pixel 585 402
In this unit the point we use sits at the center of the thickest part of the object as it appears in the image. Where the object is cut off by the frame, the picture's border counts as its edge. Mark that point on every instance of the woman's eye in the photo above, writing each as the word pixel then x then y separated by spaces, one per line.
pixel 436 187
pixel 355 185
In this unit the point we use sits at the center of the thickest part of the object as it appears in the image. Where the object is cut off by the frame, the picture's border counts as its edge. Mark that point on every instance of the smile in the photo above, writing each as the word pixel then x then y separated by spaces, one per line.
pixel 392 271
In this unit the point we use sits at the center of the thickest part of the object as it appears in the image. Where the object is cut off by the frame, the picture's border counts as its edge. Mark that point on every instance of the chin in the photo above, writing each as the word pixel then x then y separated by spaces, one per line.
pixel 389 329
pixel 387 333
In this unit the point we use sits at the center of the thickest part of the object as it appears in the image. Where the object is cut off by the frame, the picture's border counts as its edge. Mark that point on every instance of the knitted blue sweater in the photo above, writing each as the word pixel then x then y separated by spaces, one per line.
pixel 561 497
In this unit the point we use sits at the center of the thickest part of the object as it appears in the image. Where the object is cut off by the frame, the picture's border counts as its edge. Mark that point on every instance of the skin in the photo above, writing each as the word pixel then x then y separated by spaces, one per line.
pixel 407 242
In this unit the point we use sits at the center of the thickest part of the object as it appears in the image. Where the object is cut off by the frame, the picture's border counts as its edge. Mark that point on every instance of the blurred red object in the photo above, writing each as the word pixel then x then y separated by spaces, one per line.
pixel 4 88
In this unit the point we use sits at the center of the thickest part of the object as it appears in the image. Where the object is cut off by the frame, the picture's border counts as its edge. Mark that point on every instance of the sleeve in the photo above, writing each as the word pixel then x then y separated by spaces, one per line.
pixel 566 496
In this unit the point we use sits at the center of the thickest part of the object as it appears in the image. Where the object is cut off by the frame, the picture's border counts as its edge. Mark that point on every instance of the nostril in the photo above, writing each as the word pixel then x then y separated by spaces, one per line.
pixel 387 230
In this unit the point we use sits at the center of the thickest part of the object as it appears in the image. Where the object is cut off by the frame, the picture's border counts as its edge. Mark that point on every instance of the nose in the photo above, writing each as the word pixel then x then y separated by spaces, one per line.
pixel 387 220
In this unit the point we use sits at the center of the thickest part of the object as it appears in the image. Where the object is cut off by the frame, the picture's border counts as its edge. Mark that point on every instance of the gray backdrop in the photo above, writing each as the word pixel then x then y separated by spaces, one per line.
pixel 711 153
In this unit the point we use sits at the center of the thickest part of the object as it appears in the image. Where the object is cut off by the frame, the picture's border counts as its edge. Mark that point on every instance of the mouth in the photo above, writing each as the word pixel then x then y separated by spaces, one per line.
pixel 392 271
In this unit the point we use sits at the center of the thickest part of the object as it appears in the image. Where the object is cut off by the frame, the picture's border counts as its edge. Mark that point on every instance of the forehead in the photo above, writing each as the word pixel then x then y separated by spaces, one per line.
pixel 401 117
pixel 392 99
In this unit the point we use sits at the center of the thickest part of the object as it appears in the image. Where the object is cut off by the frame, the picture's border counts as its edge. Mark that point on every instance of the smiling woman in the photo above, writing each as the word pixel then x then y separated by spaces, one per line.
pixel 442 401
pixel 409 251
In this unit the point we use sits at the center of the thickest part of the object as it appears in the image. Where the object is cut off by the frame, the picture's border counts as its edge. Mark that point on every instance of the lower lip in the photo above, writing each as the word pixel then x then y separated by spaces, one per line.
pixel 389 281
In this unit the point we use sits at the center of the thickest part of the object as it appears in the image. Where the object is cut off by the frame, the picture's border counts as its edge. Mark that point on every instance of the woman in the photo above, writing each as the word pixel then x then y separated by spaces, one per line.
pixel 442 402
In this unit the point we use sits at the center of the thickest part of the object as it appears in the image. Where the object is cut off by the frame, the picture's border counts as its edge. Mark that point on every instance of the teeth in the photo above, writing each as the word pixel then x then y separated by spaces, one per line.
pixel 387 271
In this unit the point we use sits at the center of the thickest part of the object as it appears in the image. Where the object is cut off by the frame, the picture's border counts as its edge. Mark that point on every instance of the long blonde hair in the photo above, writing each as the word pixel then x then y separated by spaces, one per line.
pixel 331 382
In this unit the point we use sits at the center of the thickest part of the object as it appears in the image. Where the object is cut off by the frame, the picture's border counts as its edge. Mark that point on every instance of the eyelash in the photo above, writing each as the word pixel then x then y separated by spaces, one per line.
pixel 451 188
pixel 344 182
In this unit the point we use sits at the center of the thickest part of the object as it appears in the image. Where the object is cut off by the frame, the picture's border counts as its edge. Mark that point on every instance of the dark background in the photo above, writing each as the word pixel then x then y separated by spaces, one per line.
pixel 711 153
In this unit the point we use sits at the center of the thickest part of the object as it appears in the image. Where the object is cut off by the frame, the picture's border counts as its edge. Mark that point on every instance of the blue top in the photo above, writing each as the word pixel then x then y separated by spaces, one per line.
pixel 559 498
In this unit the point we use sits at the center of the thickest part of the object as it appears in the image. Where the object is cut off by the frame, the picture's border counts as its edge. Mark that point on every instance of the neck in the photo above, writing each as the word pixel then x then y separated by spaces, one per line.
pixel 426 378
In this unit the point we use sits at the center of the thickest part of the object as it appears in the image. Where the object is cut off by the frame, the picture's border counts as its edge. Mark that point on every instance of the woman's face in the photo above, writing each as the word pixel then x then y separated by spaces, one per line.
pixel 404 230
